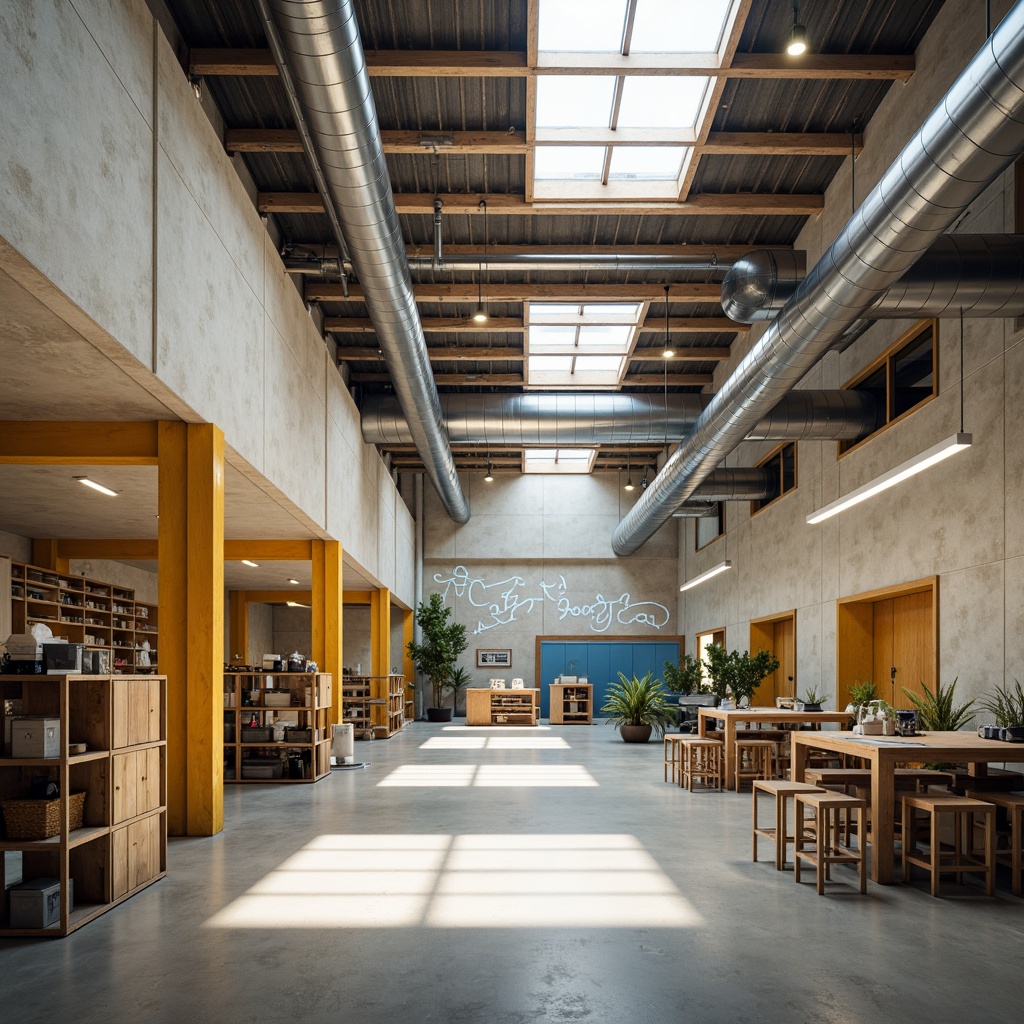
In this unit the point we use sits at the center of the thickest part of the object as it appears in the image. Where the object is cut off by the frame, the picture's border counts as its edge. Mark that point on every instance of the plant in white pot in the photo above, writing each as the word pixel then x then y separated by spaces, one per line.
pixel 437 655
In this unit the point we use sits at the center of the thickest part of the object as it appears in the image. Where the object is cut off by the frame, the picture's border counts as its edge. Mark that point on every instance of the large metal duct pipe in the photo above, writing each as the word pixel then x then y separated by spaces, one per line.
pixel 329 266
pixel 983 275
pixel 739 484
pixel 569 419
pixel 324 54
pixel 972 136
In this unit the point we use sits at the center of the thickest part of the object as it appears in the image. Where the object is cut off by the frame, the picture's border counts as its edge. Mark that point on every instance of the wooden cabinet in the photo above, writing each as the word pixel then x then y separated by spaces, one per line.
pixel 121 845
pixel 277 726
pixel 571 703
pixel 502 707
pixel 98 615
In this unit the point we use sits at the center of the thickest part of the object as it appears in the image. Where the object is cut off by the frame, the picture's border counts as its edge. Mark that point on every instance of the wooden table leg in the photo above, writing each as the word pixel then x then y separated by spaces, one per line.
pixel 797 759
pixel 883 806
pixel 730 752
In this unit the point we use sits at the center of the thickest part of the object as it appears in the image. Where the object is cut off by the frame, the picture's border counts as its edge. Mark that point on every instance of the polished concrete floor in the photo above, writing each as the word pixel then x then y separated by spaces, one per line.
pixel 512 875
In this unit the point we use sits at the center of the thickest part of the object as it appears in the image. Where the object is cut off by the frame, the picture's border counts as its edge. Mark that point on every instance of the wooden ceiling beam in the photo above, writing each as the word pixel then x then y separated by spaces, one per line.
pixel 509 379
pixel 433 325
pixel 478 355
pixel 657 380
pixel 682 355
pixel 780 144
pixel 706 204
pixel 513 64
pixel 693 324
pixel 682 292
pixel 724 252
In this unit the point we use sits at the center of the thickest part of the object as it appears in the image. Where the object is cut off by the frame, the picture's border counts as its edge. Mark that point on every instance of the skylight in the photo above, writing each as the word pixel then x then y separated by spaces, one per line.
pixel 646 163
pixel 676 26
pixel 574 101
pixel 568 163
pixel 560 26
pixel 588 313
pixel 660 101
pixel 559 460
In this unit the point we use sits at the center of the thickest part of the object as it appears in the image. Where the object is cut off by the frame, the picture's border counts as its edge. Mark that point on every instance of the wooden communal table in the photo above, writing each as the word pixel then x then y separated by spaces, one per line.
pixel 883 754
pixel 758 716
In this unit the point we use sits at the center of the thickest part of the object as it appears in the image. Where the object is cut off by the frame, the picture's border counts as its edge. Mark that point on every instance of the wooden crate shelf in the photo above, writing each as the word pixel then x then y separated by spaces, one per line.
pixel 374 704
pixel 502 707
pixel 571 703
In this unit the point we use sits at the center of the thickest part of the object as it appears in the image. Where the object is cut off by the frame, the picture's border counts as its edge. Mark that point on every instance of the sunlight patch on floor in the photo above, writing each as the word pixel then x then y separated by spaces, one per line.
pixel 495 743
pixel 490 775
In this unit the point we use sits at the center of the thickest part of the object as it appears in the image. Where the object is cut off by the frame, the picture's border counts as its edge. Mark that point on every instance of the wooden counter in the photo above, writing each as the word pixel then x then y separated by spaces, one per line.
pixel 502 707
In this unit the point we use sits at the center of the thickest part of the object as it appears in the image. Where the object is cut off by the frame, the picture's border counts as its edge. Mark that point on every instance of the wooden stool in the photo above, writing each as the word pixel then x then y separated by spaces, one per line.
pixel 963 857
pixel 760 755
pixel 779 832
pixel 673 754
pixel 920 779
pixel 827 811
pixel 1013 803
pixel 702 761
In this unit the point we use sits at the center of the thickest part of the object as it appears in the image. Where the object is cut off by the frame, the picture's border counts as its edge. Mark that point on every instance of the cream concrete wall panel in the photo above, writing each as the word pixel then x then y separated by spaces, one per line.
pixel 342 409
pixel 815 650
pixel 210 349
pixel 294 448
pixel 14 547
pixel 1013 653
pixel 285 309
pixel 351 502
pixel 385 564
pixel 508 536
pixel 1013 389
pixel 404 588
pixel 355 637
pixel 90 233
pixel 261 634
pixel 971 630
pixel 189 141
pixel 579 536
pixel 143 582
pixel 509 492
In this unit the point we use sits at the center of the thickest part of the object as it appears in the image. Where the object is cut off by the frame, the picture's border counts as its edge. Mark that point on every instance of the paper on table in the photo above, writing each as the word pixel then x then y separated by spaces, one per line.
pixel 883 741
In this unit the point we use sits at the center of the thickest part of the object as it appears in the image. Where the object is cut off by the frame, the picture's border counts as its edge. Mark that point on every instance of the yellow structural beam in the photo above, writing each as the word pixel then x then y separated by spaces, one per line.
pixel 76 443
pixel 268 550
pixel 191 599
pixel 45 553
pixel 278 596
pixel 328 573
pixel 357 597
pixel 126 548
pixel 380 632
pixel 408 665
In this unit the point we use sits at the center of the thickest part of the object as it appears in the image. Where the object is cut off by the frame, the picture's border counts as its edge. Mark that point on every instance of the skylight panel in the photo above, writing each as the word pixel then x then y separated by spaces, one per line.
pixel 559 460
pixel 658 101
pixel 568 25
pixel 599 364
pixel 646 163
pixel 574 101
pixel 542 337
pixel 550 364
pixel 591 313
pixel 568 163
pixel 605 336
pixel 676 26
pixel 553 313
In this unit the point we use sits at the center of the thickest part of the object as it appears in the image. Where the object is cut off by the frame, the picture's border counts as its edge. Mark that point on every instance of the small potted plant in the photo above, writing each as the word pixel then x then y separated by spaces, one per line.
pixel 811 700
pixel 1008 708
pixel 861 694
pixel 936 711
pixel 748 673
pixel 637 708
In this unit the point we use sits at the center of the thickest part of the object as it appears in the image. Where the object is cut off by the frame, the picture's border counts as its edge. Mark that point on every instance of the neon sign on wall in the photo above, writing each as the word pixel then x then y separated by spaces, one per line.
pixel 508 600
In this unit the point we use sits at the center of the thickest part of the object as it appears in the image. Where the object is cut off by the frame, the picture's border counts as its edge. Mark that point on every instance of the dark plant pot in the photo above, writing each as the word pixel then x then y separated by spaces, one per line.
pixel 1013 734
pixel 812 707
pixel 635 733
pixel 439 714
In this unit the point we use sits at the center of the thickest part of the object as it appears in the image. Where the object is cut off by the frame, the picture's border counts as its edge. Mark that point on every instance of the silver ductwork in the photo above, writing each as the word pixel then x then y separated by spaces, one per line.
pixel 972 136
pixel 561 420
pixel 983 275
pixel 330 266
pixel 324 54
pixel 695 510
pixel 738 484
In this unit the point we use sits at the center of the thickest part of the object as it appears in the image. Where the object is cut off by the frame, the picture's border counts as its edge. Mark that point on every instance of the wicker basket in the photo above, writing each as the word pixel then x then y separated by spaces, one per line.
pixel 40 819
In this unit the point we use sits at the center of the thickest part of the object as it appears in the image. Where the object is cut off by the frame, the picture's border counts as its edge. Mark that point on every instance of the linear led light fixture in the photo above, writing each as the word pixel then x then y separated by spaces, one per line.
pixel 95 486
pixel 254 565
pixel 296 604
pixel 929 457
pixel 705 576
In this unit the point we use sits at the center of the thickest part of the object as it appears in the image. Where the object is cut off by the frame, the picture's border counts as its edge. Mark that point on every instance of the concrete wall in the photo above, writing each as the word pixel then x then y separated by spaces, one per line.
pixel 132 209
pixel 261 633
pixel 960 520
pixel 356 638
pixel 536 560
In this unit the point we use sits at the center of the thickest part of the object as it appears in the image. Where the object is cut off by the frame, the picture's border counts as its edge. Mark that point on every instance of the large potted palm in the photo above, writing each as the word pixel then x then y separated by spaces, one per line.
pixel 636 707
pixel 437 655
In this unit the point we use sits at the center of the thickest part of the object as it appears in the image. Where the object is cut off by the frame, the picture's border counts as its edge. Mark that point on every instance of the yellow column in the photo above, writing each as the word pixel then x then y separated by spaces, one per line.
pixel 191 598
pixel 408 665
pixel 46 556
pixel 328 575
pixel 380 632
pixel 238 626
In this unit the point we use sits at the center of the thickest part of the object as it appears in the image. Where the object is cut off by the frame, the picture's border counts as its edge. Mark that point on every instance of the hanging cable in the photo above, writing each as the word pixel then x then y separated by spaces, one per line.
pixel 480 316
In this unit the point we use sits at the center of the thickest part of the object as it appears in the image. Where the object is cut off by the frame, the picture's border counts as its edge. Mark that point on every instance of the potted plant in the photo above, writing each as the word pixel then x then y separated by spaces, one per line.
pixel 686 678
pixel 721 670
pixel 861 694
pixel 438 654
pixel 459 678
pixel 812 700
pixel 750 670
pixel 636 707
pixel 1008 708
pixel 936 711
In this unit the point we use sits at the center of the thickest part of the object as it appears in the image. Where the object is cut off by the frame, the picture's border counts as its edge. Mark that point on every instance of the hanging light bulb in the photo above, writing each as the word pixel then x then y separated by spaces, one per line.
pixel 797 43
pixel 669 350
pixel 480 316
pixel 489 478
pixel 629 477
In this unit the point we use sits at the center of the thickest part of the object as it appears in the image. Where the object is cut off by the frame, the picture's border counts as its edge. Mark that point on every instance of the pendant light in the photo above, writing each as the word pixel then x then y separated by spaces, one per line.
pixel 629 477
pixel 797 42
pixel 480 316
pixel 489 477
pixel 669 350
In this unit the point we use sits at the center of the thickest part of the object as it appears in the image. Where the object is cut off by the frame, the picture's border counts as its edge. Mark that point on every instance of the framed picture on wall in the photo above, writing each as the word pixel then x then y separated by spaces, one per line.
pixel 490 658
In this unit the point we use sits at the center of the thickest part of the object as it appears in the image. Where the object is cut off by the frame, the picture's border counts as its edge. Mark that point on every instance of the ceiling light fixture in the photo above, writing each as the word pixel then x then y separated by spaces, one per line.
pixel 629 477
pixel 669 350
pixel 480 316
pixel 296 604
pixel 937 453
pixel 797 42
pixel 705 576
pixel 95 486
pixel 294 582
pixel 489 478
pixel 254 565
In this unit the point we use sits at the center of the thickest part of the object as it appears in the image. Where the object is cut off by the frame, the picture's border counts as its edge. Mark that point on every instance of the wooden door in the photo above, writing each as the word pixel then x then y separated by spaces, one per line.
pixel 903 649
pixel 778 637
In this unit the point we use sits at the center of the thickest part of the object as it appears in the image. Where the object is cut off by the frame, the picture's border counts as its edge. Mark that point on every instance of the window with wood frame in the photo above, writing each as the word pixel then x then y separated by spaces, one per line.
pixel 780 465
pixel 710 527
pixel 902 379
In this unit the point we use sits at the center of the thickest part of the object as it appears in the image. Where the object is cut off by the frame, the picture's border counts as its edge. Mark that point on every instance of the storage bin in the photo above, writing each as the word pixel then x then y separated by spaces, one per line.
pixel 40 819
pixel 251 735
pixel 298 735
pixel 63 658
pixel 262 768
pixel 277 698
pixel 36 904
pixel 229 732
pixel 35 737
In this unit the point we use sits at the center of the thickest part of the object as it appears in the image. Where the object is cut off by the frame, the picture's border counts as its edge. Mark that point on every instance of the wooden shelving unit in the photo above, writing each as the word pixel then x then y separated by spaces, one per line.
pixel 571 703
pixel 374 703
pixel 502 707
pixel 299 702
pixel 84 611
pixel 122 845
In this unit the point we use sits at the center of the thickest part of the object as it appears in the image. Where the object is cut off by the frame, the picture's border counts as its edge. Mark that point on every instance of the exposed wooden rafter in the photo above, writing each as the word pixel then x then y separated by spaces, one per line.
pixel 513 64
pixel 480 354
pixel 682 292
pixel 515 325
